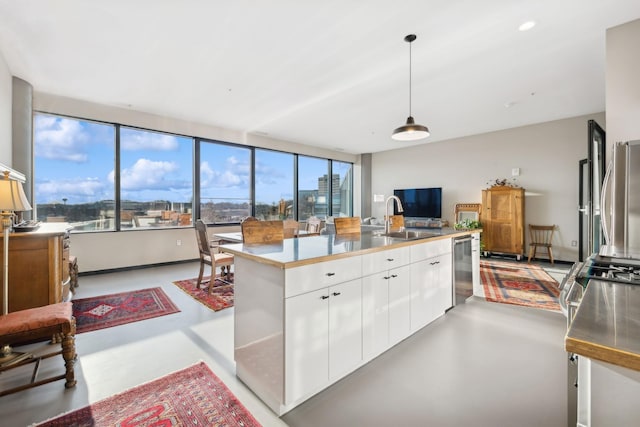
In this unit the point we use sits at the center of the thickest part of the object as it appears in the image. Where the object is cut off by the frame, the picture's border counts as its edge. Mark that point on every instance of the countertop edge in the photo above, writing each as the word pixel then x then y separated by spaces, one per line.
pixel 603 353
pixel 238 250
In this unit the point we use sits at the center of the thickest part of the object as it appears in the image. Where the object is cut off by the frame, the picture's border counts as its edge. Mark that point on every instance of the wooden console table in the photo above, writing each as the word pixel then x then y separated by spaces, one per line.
pixel 38 267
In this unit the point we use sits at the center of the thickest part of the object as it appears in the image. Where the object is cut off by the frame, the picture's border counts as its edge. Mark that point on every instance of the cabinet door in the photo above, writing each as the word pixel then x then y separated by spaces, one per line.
pixel 424 291
pixel 399 304
pixel 306 344
pixel 375 315
pixel 345 328
pixel 444 274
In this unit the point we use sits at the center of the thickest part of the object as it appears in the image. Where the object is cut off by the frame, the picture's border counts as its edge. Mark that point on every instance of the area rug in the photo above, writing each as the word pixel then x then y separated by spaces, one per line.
pixel 519 284
pixel 106 311
pixel 194 396
pixel 222 296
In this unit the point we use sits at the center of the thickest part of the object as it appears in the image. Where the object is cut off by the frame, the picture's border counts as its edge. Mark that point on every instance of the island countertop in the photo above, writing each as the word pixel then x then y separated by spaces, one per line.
pixel 313 249
pixel 606 326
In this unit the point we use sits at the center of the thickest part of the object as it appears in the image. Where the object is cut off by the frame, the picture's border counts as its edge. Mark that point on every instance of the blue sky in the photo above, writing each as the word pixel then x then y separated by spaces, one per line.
pixel 75 161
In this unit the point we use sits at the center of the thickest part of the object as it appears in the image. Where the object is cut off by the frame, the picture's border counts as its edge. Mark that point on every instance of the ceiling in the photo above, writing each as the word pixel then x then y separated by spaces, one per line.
pixel 332 74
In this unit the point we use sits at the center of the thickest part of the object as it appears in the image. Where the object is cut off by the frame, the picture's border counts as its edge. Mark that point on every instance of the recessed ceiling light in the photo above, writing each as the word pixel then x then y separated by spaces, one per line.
pixel 526 26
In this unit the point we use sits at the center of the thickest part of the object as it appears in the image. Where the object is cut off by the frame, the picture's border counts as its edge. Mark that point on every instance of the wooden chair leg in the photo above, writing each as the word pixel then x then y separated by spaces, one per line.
pixel 200 275
pixel 550 254
pixel 532 253
pixel 69 356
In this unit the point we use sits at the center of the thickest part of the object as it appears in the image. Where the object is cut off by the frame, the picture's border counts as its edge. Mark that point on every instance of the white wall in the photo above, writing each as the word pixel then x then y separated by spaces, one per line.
pixel 109 250
pixel 623 83
pixel 546 153
pixel 5 112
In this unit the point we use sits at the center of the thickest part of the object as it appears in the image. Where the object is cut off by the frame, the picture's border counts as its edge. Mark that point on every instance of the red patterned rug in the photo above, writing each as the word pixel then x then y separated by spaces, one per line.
pixel 222 296
pixel 519 284
pixel 194 396
pixel 106 311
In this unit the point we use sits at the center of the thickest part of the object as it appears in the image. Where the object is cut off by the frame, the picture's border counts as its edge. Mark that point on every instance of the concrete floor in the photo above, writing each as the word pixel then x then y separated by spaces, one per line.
pixel 481 364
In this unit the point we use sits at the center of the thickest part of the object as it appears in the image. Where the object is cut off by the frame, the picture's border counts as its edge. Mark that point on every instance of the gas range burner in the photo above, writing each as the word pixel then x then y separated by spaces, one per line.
pixel 629 274
pixel 611 269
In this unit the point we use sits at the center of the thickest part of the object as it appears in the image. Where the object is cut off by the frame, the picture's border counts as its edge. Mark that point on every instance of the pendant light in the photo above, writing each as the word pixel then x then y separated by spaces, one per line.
pixel 410 131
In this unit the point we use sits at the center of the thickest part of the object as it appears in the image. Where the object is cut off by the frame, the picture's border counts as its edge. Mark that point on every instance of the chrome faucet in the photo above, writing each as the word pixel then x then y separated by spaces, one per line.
pixel 387 219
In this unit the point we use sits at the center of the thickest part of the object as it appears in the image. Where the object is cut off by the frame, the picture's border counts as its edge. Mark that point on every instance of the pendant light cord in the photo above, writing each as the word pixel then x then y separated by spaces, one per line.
pixel 410 78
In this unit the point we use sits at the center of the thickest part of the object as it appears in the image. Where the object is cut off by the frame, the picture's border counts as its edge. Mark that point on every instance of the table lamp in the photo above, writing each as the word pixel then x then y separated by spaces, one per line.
pixel 12 198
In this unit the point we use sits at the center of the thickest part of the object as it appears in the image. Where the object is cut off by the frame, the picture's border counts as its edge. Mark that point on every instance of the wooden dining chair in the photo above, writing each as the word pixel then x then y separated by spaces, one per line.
pixel 262 232
pixel 291 228
pixel 209 256
pixel 541 237
pixel 313 225
pixel 347 225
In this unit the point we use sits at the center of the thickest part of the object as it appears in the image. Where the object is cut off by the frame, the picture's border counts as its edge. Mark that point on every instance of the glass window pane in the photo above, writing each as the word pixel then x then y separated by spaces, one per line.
pixel 342 189
pixel 313 187
pixel 274 185
pixel 156 179
pixel 73 172
pixel 225 183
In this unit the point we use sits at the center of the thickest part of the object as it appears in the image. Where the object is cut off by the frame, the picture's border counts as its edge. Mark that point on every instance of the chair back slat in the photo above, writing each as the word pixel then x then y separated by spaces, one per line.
pixel 203 238
pixel 347 225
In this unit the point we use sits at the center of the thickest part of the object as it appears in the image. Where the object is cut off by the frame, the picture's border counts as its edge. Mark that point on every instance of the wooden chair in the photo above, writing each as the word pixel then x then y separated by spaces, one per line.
pixel 262 232
pixel 290 228
pixel 313 225
pixel 211 258
pixel 347 225
pixel 34 324
pixel 541 237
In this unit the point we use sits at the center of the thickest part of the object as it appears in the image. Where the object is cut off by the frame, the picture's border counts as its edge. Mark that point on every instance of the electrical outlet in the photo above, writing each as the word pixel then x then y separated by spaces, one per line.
pixel 178 242
pixel 574 243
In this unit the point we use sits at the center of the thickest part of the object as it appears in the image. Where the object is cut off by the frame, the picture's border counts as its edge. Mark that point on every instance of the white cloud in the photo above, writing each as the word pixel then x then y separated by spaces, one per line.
pixel 234 173
pixel 147 174
pixel 66 139
pixel 132 140
pixel 77 190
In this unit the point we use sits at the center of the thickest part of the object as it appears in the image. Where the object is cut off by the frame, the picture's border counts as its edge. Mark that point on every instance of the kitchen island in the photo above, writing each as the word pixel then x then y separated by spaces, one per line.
pixel 309 311
pixel 605 334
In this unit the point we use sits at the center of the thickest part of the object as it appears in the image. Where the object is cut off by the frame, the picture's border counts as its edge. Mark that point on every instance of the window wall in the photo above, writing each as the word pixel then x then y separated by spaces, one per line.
pixel 274 172
pixel 108 177
pixel 73 172
pixel 225 182
pixel 156 179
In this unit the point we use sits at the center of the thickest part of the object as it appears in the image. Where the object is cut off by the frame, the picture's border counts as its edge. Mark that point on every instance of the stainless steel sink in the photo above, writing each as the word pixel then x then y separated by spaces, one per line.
pixel 409 234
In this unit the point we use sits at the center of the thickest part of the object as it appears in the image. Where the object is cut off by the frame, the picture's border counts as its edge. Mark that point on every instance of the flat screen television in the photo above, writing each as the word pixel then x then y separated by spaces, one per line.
pixel 420 202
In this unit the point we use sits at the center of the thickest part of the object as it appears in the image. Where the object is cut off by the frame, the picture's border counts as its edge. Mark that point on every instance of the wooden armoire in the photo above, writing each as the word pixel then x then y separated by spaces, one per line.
pixel 503 220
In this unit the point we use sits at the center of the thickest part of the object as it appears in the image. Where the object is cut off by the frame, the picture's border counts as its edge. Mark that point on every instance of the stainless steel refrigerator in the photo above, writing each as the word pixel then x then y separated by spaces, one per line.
pixel 621 202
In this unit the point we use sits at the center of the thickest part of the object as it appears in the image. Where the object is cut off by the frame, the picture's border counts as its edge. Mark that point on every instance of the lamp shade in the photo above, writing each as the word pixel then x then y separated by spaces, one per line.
pixel 12 197
pixel 410 131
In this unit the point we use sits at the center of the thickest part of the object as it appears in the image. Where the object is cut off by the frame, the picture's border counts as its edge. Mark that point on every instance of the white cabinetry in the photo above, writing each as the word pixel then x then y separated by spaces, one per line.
pixel 431 275
pixel 300 328
pixel 385 300
pixel 323 330
pixel 386 310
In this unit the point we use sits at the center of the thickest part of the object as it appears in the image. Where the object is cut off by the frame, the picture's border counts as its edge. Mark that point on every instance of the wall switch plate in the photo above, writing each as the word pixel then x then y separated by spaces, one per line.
pixel 378 197
pixel 515 172
pixel 574 243
pixel 178 242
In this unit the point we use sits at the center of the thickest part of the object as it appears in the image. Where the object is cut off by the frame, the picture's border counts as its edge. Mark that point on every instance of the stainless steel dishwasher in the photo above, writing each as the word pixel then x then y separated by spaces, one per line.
pixel 462 270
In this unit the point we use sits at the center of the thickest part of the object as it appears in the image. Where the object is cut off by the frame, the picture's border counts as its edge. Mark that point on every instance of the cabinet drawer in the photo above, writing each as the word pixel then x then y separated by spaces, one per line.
pixel 430 249
pixel 310 277
pixel 385 260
